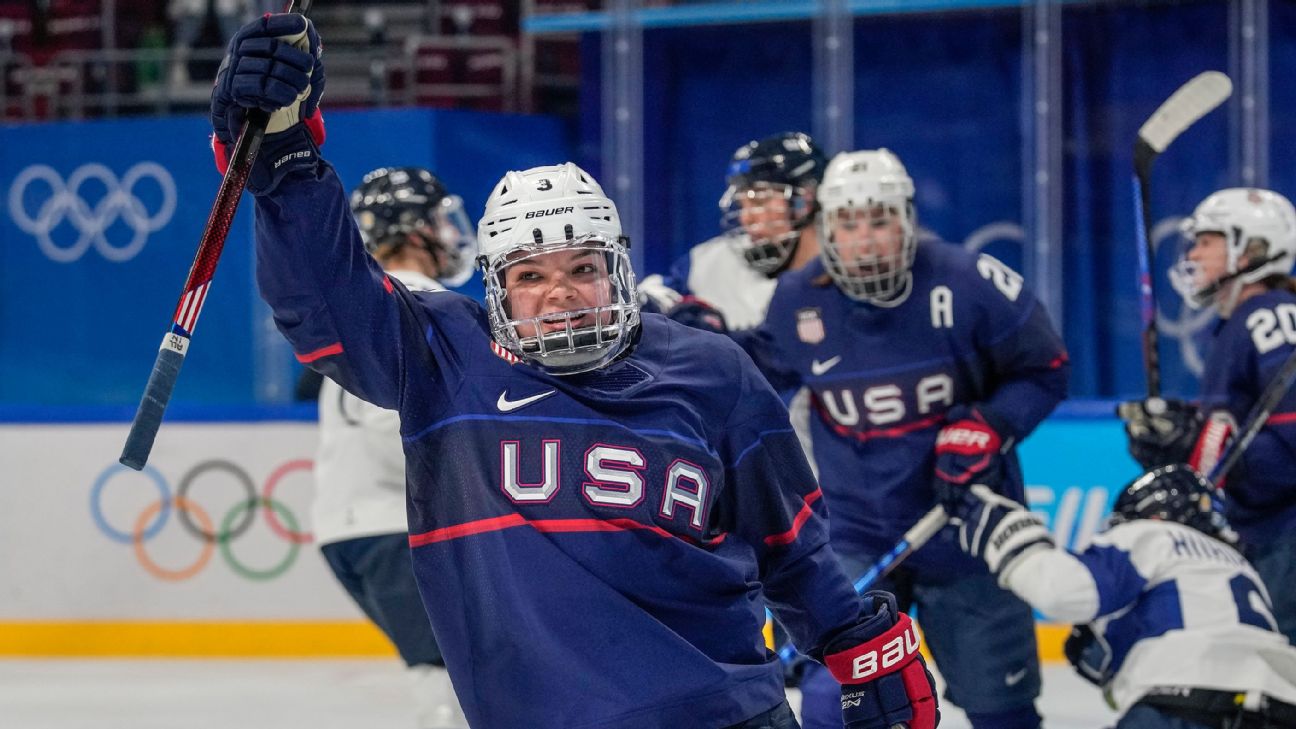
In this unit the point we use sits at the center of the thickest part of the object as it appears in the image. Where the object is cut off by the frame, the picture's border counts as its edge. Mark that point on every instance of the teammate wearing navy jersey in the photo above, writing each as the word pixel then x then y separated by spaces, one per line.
pixel 418 233
pixel 926 364
pixel 1172 622
pixel 1243 242
pixel 599 503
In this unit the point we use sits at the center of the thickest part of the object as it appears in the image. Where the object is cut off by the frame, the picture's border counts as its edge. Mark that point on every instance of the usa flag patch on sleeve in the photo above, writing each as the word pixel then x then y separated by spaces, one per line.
pixel 809 326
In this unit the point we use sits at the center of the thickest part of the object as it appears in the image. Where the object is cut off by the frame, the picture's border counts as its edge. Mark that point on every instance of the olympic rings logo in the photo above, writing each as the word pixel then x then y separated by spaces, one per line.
pixel 66 203
pixel 197 522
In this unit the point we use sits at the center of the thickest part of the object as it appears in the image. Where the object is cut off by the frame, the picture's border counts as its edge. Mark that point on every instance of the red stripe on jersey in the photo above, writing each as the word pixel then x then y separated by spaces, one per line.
pixel 499 523
pixel 789 536
pixel 334 348
pixel 387 284
pixel 846 432
pixel 462 530
pixel 1281 419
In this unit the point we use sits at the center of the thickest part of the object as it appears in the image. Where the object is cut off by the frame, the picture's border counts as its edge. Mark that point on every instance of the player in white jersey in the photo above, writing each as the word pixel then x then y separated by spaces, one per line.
pixel 767 214
pixel 419 233
pixel 1172 622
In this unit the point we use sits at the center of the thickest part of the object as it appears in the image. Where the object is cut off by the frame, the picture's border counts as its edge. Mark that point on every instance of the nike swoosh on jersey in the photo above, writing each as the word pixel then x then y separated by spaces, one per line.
pixel 1013 679
pixel 818 368
pixel 506 405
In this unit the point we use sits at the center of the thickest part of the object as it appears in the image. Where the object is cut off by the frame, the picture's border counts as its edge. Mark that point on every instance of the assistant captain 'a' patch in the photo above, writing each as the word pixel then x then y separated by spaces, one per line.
pixel 809 325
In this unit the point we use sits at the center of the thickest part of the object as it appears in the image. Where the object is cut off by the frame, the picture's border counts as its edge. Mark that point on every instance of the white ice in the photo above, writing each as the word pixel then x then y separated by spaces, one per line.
pixel 320 694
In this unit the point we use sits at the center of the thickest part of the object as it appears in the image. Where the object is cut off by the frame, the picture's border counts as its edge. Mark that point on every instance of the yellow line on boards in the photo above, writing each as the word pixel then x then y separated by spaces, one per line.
pixel 340 639
pixel 193 640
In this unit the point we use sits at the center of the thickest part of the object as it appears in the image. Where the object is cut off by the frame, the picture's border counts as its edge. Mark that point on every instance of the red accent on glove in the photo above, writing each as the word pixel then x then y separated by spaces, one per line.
pixel 967 437
pixel 314 124
pixel 881 656
pixel 1214 436
pixel 922 699
pixel 221 154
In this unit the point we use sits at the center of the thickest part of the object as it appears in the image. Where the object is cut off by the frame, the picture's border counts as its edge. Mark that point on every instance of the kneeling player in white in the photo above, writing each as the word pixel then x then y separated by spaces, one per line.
pixel 1172 622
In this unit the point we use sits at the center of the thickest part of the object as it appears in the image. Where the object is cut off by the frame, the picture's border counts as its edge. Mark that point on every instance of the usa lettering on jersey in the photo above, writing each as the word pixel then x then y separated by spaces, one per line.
pixel 886 403
pixel 615 479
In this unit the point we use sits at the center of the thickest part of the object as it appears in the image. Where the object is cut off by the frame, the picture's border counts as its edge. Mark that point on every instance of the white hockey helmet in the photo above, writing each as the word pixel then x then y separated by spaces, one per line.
pixel 1259 225
pixel 545 210
pixel 860 185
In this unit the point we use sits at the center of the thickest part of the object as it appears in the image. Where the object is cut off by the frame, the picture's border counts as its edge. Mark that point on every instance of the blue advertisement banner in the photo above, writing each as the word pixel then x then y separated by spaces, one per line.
pixel 101 221
pixel 1075 468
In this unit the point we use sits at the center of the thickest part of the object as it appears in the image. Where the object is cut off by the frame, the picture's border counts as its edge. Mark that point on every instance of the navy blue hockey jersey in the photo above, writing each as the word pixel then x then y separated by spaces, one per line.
pixel 1249 349
pixel 885 379
pixel 591 549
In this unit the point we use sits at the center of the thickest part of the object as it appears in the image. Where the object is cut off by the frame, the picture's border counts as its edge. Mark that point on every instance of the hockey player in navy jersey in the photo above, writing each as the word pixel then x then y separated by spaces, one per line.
pixel 419 234
pixel 927 365
pixel 1243 242
pixel 1173 623
pixel 599 503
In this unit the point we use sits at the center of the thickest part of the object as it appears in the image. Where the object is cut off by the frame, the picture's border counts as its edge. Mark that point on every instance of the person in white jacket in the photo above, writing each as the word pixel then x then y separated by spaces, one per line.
pixel 420 235
pixel 1171 621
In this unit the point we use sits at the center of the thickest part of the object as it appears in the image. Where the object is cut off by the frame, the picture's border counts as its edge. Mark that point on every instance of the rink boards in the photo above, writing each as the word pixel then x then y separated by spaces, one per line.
pixel 208 551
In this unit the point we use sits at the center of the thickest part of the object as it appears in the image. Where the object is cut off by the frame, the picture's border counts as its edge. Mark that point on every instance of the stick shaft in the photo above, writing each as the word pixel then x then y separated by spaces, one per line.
pixel 175 344
pixel 913 540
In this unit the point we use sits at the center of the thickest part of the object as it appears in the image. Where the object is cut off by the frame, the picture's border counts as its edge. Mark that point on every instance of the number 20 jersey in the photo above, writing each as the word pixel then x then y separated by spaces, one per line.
pixel 1249 349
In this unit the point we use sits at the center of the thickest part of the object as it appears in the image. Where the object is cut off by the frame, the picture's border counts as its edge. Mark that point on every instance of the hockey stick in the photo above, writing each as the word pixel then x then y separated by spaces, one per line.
pixel 913 540
pixel 1185 106
pixel 175 344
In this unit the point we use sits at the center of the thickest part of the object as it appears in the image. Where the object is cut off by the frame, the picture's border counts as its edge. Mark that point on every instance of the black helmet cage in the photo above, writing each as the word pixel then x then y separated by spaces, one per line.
pixel 787 164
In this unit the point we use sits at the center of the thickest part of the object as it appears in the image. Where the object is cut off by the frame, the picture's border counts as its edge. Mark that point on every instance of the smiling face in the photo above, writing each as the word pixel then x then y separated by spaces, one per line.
pixel 548 286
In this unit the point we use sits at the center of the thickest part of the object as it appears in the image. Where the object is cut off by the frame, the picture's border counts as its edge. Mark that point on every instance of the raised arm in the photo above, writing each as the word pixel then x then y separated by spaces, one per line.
pixel 330 299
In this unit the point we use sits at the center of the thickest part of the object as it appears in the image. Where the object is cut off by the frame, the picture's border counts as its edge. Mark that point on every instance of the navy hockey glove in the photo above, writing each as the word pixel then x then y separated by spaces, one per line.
pixel 997 530
pixel 273 64
pixel 694 312
pixel 885 682
pixel 968 450
pixel 1160 432
pixel 1088 654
